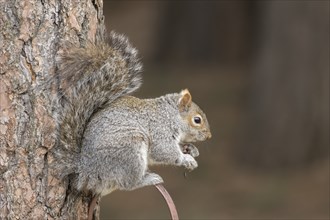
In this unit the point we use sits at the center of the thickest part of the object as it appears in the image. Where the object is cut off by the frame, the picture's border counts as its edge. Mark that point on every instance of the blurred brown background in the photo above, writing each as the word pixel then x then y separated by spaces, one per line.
pixel 260 70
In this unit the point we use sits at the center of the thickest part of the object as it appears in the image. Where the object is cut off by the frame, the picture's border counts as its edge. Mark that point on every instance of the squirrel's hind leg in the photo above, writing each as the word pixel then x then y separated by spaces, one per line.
pixel 134 164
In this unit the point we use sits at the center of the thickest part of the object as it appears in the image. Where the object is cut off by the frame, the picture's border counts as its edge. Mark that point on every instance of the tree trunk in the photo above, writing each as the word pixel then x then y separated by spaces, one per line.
pixel 32 32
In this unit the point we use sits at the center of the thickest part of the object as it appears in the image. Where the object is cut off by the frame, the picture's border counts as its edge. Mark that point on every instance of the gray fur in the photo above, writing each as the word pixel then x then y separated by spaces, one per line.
pixel 89 78
pixel 132 134
pixel 106 138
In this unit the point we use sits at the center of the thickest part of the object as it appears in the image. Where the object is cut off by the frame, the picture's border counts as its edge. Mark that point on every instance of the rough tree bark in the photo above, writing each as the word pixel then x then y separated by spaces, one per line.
pixel 32 32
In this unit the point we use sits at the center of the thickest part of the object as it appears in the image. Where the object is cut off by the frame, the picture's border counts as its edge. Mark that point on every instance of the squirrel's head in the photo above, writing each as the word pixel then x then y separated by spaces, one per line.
pixel 195 125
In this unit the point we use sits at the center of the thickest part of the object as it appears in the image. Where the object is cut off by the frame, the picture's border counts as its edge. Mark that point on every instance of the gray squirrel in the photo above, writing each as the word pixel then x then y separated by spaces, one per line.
pixel 106 138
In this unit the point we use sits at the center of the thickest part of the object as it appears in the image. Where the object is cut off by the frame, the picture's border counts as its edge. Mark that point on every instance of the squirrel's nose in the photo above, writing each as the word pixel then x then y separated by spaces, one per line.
pixel 209 135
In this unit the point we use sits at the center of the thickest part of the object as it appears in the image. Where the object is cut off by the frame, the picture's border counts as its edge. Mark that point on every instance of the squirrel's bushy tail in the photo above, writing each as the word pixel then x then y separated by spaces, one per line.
pixel 88 78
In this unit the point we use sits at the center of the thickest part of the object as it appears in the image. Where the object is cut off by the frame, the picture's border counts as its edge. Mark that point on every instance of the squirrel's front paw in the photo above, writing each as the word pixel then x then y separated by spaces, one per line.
pixel 190 149
pixel 189 162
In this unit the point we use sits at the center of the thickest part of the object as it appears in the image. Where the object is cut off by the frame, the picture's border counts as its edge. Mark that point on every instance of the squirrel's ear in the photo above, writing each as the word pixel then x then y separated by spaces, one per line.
pixel 185 100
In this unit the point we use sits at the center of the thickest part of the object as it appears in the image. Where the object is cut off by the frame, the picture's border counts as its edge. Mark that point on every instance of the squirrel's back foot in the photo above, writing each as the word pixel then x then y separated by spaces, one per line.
pixel 147 180
pixel 151 179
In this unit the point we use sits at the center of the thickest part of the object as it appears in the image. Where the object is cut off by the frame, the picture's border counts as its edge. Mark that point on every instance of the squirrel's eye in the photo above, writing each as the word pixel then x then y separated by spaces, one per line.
pixel 197 119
